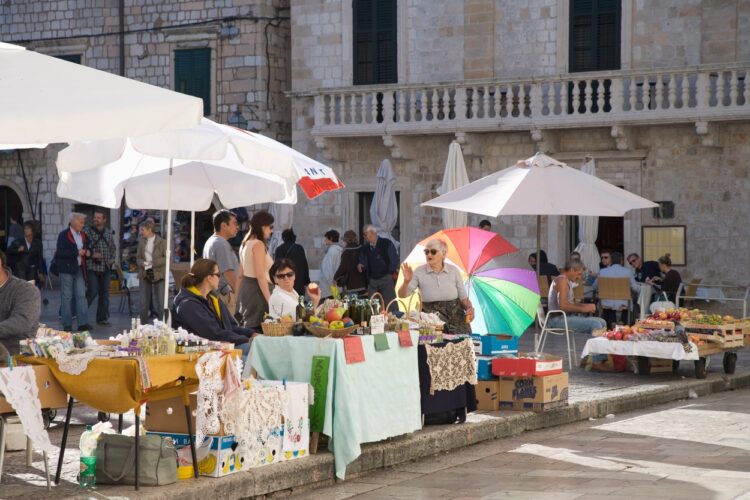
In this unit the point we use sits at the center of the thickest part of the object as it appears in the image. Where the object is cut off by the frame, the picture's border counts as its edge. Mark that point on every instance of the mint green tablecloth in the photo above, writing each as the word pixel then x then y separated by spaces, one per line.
pixel 366 402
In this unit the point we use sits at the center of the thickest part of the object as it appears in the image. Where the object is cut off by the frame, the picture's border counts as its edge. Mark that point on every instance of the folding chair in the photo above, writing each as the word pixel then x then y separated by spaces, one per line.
pixel 616 289
pixel 543 289
pixel 543 319
pixel 119 286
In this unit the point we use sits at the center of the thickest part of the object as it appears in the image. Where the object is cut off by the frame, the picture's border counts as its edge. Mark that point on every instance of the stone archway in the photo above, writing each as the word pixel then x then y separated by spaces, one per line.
pixel 11 205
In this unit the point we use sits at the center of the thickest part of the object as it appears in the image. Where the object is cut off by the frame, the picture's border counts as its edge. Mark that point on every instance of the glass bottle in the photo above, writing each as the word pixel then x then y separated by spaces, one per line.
pixel 301 311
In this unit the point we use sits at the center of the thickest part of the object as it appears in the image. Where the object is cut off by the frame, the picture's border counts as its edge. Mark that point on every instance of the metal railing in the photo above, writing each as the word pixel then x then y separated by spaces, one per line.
pixel 719 298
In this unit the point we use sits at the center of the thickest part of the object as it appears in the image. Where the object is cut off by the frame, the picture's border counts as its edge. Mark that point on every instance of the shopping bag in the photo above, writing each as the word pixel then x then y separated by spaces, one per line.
pixel 115 460
pixel 662 303
pixel 319 382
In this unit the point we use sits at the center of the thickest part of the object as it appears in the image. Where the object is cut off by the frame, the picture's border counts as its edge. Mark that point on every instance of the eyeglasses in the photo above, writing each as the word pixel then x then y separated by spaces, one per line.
pixel 289 275
pixel 218 275
pixel 430 251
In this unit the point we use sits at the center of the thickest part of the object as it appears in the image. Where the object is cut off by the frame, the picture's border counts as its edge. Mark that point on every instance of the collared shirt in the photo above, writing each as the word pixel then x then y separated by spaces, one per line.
pixel 219 250
pixel 79 242
pixel 102 243
pixel 148 253
pixel 438 286
pixel 283 303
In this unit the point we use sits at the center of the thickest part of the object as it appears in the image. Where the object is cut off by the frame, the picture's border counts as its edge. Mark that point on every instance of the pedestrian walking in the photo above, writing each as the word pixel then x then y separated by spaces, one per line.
pixel 99 266
pixel 255 288
pixel 330 263
pixel 71 254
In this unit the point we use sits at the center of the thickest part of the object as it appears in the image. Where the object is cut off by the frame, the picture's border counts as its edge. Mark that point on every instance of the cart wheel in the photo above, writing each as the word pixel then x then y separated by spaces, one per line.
pixel 102 416
pixel 644 367
pixel 52 414
pixel 46 418
pixel 675 366
pixel 730 362
pixel 700 368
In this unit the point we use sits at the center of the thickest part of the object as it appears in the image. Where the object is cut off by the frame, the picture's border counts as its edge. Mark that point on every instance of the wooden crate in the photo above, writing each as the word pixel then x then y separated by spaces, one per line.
pixel 726 335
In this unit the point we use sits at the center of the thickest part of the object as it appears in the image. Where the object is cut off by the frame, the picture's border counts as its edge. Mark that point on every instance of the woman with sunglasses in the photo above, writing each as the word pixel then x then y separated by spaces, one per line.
pixel 285 298
pixel 255 290
pixel 199 309
pixel 441 287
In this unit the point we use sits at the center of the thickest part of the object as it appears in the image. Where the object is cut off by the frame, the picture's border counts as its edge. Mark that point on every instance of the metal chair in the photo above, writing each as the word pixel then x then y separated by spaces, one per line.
pixel 543 319
pixel 119 287
pixel 616 289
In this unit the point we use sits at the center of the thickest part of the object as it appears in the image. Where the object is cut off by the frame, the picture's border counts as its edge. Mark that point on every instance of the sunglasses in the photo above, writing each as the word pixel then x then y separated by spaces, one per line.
pixel 218 275
pixel 289 275
pixel 430 251
pixel 632 262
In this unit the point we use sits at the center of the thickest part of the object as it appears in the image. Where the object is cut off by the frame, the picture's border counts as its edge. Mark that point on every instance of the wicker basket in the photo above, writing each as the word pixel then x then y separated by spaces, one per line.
pixel 321 332
pixel 277 329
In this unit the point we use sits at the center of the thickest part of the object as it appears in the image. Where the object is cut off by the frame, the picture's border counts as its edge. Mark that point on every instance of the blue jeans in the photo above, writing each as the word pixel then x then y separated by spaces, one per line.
pixel 578 324
pixel 73 285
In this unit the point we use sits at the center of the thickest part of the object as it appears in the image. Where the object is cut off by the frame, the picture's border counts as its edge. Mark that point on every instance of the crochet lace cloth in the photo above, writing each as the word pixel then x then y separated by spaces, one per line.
pixel 18 385
pixel 451 366
pixel 74 364
pixel 210 385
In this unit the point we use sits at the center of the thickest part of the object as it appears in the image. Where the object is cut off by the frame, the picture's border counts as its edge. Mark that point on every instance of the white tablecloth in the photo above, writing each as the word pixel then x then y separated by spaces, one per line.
pixel 644 299
pixel 661 350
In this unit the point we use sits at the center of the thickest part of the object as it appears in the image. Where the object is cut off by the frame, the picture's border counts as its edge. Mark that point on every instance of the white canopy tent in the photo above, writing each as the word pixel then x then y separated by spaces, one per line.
pixel 46 100
pixel 453 178
pixel 541 185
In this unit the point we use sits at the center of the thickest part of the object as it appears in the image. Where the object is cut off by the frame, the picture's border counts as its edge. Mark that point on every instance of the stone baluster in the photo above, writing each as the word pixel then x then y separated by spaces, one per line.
pixel 685 89
pixel 388 111
pixel 402 99
pixel 536 102
pixel 434 104
pixel 658 100
pixel 587 95
pixel 320 114
pixel 616 97
pixel 576 97
pixel 563 98
pixel 419 109
pixel 600 96
pixel 720 88
pixel 734 87
pixel 671 90
pixel 703 90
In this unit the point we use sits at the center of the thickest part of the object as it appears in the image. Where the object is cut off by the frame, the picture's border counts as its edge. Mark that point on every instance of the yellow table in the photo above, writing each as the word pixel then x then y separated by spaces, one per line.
pixel 115 385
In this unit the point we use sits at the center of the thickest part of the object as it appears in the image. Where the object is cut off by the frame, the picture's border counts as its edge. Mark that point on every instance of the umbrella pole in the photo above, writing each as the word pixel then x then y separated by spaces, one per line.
pixel 192 239
pixel 167 319
pixel 538 243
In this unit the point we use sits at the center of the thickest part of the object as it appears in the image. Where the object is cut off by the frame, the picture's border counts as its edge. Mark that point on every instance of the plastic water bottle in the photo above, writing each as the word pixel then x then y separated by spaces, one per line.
pixel 87 474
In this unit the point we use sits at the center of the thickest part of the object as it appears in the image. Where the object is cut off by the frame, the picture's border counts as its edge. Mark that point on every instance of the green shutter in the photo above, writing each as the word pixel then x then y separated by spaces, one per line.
pixel 375 49
pixel 192 74
pixel 594 35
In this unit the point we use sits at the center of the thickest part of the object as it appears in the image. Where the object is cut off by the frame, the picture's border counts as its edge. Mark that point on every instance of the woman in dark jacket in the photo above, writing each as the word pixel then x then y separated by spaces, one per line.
pixel 199 309
pixel 348 276
pixel 670 279
pixel 293 251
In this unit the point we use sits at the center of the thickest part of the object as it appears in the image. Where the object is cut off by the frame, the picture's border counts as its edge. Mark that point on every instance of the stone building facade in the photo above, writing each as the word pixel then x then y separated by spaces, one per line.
pixel 248 47
pixel 664 112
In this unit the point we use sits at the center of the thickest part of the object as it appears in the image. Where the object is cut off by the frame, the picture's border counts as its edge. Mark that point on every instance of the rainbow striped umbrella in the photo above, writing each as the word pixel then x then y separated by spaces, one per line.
pixel 501 285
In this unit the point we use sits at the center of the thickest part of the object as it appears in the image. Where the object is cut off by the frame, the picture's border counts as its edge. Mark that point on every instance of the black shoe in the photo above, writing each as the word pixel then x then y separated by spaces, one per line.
pixel 84 328
pixel 103 323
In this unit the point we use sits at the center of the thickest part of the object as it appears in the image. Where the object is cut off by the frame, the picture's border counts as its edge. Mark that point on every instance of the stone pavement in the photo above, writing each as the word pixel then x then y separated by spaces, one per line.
pixel 592 395
pixel 696 449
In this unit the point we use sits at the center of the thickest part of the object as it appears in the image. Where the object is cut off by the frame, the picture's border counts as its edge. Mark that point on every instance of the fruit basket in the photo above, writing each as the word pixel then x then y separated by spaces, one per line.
pixel 277 329
pixel 322 332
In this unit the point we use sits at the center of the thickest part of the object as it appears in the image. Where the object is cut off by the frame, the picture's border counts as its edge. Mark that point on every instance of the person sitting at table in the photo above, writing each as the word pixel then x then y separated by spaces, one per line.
pixel 610 307
pixel 20 308
pixel 560 298
pixel 546 268
pixel 284 298
pixel 441 286
pixel 670 279
pixel 643 270
pixel 199 309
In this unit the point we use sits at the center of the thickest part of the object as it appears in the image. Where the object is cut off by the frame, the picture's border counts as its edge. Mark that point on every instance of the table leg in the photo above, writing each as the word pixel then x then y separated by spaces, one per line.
pixel 3 433
pixel 46 470
pixel 68 415
pixel 119 423
pixel 29 452
pixel 191 437
pixel 137 449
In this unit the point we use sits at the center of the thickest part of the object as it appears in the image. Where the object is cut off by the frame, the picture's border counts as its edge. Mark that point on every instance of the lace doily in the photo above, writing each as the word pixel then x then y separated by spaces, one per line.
pixel 451 365
pixel 210 385
pixel 74 364
pixel 18 385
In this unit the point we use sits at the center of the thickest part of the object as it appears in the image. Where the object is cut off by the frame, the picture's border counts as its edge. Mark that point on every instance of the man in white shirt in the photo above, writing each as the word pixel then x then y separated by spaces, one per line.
pixel 615 270
pixel 330 264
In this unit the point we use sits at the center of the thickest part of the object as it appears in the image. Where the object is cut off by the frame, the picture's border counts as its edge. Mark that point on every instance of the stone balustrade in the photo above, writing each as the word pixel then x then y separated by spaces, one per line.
pixel 690 94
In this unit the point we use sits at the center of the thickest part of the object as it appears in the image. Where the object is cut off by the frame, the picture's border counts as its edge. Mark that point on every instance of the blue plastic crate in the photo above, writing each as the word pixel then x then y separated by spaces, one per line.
pixel 492 345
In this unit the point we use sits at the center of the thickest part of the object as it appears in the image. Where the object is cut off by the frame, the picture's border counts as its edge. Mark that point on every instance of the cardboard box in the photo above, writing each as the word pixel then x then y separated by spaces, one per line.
pixel 533 393
pixel 492 345
pixel 484 368
pixel 51 393
pixel 487 396
pixel 218 459
pixel 527 367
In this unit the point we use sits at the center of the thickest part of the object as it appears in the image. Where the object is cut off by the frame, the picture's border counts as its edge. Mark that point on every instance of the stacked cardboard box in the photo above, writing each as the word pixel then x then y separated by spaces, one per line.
pixel 487 348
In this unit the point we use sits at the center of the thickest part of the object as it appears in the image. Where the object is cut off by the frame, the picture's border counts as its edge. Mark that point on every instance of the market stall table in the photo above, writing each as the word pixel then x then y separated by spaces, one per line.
pixel 116 385
pixel 365 402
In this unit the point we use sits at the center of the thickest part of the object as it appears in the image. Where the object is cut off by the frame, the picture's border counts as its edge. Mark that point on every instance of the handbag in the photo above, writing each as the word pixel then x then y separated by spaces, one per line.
pixel 115 460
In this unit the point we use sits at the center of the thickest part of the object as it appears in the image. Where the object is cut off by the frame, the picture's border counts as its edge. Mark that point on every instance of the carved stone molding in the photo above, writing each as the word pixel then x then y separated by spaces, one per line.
pixel 708 132
pixel 323 145
pixel 547 141
pixel 624 137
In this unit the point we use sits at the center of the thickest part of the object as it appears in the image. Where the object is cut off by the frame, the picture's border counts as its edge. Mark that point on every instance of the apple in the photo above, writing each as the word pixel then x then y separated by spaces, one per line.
pixel 618 336
pixel 663 316
pixel 324 324
pixel 334 315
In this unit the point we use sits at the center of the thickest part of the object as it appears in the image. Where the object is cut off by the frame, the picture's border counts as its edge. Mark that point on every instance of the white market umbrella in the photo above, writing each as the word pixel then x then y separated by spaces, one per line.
pixel 240 167
pixel 384 209
pixel 588 228
pixel 541 185
pixel 46 100
pixel 453 178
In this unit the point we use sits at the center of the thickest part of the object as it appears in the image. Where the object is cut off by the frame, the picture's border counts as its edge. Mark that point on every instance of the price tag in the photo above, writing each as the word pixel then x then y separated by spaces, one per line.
pixel 404 338
pixel 377 323
pixel 381 342
pixel 353 350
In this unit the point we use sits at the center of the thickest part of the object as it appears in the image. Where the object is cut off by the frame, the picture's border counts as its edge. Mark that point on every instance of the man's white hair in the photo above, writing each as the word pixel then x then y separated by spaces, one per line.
pixel 370 227
pixel 76 215
pixel 437 244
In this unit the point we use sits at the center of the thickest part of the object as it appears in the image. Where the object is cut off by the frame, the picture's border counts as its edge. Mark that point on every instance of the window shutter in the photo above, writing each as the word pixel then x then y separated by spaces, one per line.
pixel 375 46
pixel 192 74
pixel 74 58
pixel 594 35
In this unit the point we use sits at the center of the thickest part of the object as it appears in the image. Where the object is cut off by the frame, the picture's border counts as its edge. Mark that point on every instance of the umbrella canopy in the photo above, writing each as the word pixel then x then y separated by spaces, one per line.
pixel 501 285
pixel 212 142
pixel 453 178
pixel 588 228
pixel 540 185
pixel 384 209
pixel 45 100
